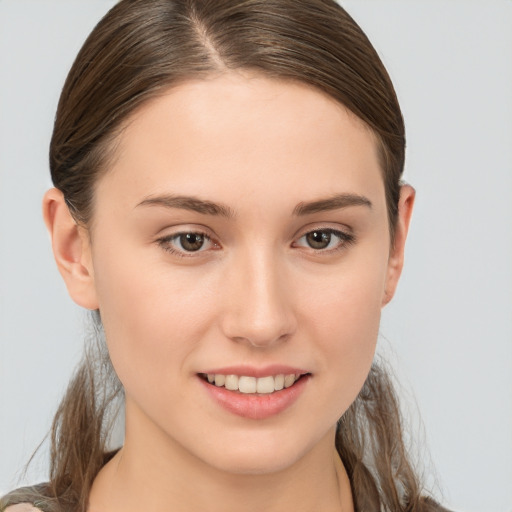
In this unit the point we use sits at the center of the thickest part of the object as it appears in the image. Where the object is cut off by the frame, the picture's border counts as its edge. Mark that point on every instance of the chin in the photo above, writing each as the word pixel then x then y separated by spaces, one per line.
pixel 266 453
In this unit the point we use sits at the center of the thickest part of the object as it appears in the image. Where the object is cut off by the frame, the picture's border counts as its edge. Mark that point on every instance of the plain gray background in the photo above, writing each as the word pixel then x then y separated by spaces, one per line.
pixel 448 333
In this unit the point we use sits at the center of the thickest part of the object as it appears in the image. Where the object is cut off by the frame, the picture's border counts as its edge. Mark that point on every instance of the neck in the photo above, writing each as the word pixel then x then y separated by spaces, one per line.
pixel 158 474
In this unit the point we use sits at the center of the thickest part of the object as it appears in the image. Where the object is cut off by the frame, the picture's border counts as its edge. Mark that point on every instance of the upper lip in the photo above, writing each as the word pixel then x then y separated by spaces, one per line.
pixel 252 371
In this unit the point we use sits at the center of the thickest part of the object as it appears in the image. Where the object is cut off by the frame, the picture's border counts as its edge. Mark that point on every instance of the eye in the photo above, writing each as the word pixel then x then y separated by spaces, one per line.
pixel 325 239
pixel 186 242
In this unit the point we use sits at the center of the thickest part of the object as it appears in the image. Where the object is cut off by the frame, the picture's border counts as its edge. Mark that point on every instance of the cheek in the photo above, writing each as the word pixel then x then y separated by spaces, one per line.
pixel 344 321
pixel 348 299
pixel 350 325
pixel 153 318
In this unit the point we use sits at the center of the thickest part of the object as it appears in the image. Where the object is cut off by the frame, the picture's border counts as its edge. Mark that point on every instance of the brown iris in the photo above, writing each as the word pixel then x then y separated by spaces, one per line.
pixel 191 241
pixel 318 239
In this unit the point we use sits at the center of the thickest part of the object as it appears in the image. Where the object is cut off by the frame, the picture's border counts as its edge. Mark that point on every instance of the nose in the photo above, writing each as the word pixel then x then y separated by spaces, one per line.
pixel 258 302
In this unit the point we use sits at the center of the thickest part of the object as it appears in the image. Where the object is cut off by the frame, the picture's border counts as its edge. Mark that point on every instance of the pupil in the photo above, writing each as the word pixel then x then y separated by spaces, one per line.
pixel 318 239
pixel 191 241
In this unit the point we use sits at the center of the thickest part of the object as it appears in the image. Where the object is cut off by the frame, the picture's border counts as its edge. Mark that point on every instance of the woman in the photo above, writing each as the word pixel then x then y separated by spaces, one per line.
pixel 228 201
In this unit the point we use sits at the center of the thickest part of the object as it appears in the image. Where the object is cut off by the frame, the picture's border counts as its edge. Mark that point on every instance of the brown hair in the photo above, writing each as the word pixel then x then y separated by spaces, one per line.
pixel 139 50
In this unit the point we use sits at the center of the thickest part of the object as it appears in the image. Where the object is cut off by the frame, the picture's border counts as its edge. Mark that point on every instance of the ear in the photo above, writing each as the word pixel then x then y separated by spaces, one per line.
pixel 396 256
pixel 71 249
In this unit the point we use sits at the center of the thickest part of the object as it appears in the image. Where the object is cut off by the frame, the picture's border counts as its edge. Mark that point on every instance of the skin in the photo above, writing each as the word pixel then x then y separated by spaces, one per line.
pixel 256 293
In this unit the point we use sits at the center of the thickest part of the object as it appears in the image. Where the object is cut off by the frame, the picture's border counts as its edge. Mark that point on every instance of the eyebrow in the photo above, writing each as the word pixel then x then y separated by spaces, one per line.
pixel 205 207
pixel 189 203
pixel 335 202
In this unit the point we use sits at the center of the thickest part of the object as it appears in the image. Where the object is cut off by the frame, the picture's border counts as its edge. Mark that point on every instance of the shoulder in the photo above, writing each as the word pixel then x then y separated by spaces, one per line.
pixel 22 507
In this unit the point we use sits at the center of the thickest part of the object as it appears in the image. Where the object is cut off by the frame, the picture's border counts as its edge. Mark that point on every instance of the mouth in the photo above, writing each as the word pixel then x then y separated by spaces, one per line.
pixel 255 394
pixel 249 385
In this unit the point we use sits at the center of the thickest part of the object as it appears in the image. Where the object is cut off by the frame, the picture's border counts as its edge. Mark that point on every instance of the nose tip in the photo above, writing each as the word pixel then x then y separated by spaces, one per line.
pixel 260 321
pixel 260 311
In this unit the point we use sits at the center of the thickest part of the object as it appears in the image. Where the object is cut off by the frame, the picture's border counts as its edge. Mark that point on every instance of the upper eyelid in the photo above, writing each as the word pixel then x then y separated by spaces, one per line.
pixel 177 234
pixel 345 238
pixel 328 230
pixel 332 227
pixel 179 228
pixel 170 232
pixel 204 231
pixel 166 243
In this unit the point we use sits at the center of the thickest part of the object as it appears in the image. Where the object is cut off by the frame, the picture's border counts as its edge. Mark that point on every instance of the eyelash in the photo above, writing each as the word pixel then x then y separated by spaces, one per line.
pixel 166 241
pixel 345 239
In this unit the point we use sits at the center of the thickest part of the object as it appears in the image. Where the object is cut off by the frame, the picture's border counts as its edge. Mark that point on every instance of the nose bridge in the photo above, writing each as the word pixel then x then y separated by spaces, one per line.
pixel 260 309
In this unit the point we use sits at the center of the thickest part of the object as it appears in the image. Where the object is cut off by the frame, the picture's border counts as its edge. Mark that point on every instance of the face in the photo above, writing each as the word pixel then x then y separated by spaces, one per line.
pixel 242 232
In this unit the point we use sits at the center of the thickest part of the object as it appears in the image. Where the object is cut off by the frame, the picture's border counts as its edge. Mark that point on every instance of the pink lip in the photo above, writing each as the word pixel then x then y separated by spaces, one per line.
pixel 251 371
pixel 254 406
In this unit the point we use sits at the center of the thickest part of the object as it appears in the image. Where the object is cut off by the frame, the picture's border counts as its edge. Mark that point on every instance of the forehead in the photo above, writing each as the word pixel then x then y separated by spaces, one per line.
pixel 239 135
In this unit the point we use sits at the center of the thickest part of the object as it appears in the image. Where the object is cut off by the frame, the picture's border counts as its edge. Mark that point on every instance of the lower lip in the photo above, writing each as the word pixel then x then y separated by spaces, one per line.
pixel 254 406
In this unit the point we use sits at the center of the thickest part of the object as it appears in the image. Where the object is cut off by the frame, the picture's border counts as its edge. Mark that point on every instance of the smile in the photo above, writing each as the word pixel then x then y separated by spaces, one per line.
pixel 256 397
pixel 249 385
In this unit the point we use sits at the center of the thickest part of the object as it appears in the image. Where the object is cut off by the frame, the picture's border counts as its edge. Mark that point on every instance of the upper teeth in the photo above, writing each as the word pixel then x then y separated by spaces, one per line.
pixel 246 384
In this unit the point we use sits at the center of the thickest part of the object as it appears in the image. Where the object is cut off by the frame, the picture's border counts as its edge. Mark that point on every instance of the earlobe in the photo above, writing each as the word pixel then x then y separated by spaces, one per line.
pixel 396 257
pixel 71 249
